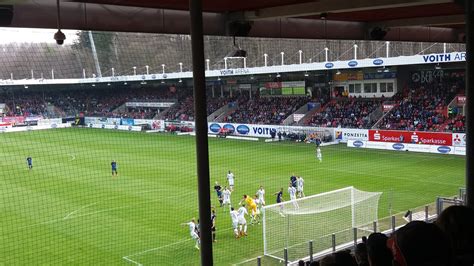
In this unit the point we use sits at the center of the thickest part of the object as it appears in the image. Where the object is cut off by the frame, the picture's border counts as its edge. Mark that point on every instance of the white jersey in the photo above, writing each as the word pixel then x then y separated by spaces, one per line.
pixel 234 215
pixel 261 194
pixel 226 196
pixel 292 192
pixel 257 201
pixel 242 212
pixel 192 228
pixel 230 179
pixel 300 184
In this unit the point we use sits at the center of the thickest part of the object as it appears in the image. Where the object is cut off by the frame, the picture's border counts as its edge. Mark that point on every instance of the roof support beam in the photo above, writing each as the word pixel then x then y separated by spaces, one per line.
pixel 42 14
pixel 333 6
pixel 421 21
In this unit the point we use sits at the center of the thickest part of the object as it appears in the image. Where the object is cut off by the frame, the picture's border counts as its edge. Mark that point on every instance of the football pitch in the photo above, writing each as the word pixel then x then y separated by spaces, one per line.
pixel 69 210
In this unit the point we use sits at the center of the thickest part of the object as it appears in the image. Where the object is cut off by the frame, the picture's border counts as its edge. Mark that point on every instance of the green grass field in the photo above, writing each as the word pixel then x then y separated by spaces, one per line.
pixel 68 210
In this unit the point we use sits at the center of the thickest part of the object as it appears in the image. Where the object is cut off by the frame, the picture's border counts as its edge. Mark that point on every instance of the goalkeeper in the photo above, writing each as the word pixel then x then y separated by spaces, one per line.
pixel 251 205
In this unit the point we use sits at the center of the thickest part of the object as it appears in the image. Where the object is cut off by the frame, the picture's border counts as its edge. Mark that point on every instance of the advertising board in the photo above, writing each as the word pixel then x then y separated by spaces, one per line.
pixel 414 137
pixel 345 134
pixel 459 139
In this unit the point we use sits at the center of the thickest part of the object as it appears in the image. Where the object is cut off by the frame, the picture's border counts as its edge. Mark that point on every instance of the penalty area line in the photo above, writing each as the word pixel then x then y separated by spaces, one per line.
pixel 132 261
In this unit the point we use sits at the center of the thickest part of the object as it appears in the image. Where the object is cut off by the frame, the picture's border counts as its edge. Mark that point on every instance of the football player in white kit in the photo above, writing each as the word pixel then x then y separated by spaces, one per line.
pixel 319 155
pixel 226 197
pixel 234 215
pixel 256 217
pixel 292 193
pixel 261 195
pixel 192 231
pixel 242 221
pixel 299 187
pixel 230 180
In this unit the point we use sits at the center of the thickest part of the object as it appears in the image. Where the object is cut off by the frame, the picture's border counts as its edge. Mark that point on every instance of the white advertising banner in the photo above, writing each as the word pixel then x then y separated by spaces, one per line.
pixel 154 124
pixel 356 143
pixel 264 131
pixel 460 150
pixel 419 148
pixel 459 139
pixel 49 121
pixel 345 134
pixel 395 146
pixel 376 145
pixel 150 104
pixel 116 127
pixel 30 128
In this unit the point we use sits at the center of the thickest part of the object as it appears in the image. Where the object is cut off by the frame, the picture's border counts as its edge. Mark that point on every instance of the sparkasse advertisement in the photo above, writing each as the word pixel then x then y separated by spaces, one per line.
pixel 415 137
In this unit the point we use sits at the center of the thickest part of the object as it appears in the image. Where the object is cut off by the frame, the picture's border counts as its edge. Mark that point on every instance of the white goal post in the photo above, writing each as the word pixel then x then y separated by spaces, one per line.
pixel 292 224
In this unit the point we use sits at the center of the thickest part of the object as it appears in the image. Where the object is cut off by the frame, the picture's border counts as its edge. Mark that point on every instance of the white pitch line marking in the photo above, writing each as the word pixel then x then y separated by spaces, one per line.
pixel 83 207
pixel 73 157
pixel 132 261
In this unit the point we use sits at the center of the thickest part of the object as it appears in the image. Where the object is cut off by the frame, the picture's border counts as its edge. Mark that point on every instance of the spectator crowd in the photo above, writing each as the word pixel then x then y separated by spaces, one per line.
pixel 415 108
pixel 265 110
pixel 346 113
pixel 449 241
pixel 423 108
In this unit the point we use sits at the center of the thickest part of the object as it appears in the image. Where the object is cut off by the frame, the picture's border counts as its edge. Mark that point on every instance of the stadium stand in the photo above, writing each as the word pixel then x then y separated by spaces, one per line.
pixel 99 102
pixel 346 112
pixel 421 108
pixel 456 124
pixel 266 110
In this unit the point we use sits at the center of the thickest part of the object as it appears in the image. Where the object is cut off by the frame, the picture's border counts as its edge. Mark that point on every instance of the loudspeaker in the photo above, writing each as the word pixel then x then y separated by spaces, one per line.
pixel 239 28
pixel 377 34
pixel 6 15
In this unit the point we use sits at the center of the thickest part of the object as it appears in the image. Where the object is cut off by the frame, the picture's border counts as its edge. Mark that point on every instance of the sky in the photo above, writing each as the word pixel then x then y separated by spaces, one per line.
pixel 29 35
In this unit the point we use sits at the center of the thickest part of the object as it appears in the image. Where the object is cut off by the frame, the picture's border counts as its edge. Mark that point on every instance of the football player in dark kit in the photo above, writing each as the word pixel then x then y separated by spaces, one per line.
pixel 114 168
pixel 29 162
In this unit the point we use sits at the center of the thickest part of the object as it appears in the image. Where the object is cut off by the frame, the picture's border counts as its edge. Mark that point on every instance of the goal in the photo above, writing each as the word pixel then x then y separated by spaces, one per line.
pixel 316 218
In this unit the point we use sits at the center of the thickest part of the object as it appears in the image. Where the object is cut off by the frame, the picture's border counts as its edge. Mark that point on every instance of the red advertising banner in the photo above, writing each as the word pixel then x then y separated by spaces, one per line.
pixel 418 137
pixel 14 119
pixel 273 85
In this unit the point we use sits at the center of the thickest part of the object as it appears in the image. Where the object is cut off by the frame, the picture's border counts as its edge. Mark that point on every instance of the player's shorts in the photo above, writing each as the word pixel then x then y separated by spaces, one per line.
pixel 253 209
pixel 235 224
pixel 226 201
pixel 292 197
pixel 299 189
pixel 242 221
pixel 231 182
pixel 213 229
pixel 194 236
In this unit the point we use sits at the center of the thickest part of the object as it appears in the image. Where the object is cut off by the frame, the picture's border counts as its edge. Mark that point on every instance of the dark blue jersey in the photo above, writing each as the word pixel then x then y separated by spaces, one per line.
pixel 29 160
pixel 279 196
pixel 114 165
pixel 293 180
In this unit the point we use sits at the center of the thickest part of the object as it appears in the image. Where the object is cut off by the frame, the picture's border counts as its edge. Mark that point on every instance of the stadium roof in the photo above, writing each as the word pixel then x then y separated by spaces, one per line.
pixel 412 20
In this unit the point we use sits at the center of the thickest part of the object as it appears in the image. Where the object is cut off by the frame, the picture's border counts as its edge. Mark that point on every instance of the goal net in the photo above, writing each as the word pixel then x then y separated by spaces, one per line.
pixel 293 224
